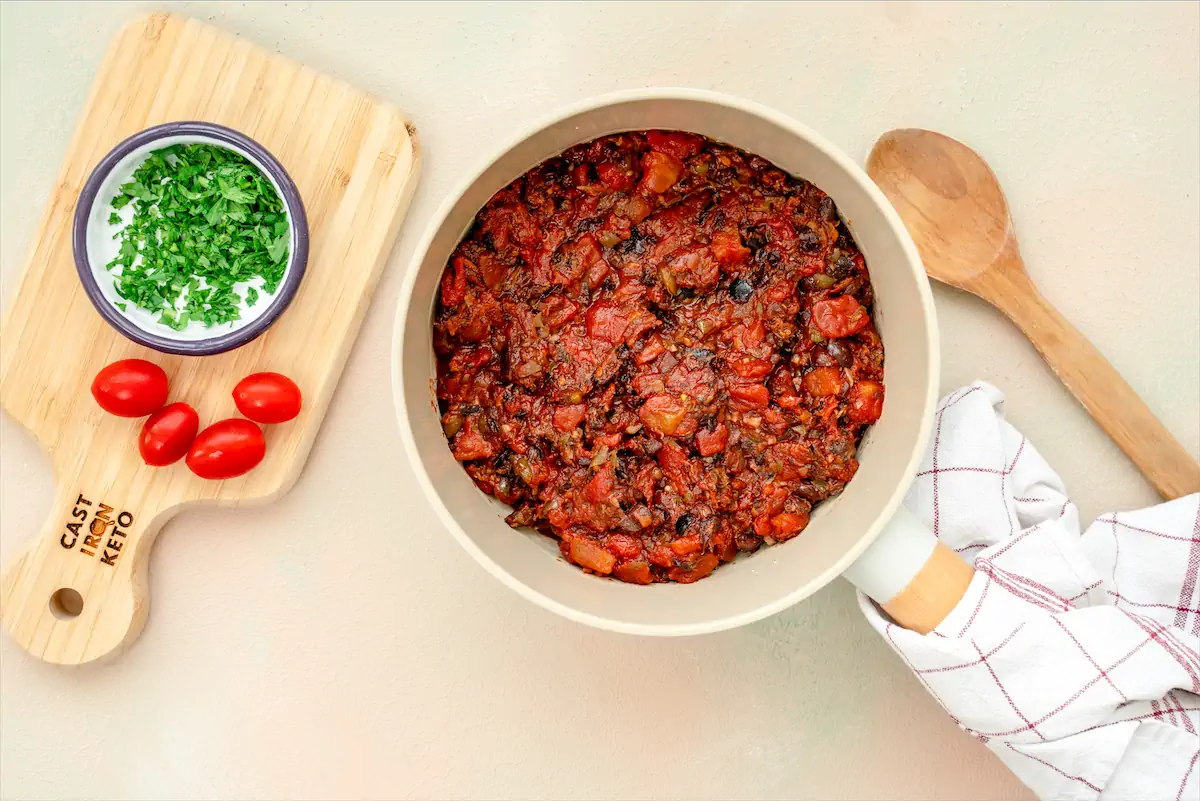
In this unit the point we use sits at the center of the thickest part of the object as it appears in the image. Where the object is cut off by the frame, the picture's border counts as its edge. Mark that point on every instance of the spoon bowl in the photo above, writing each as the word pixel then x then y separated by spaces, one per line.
pixel 954 209
pixel 949 199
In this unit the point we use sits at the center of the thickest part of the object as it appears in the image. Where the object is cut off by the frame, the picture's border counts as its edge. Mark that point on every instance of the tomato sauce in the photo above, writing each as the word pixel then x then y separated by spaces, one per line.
pixel 659 350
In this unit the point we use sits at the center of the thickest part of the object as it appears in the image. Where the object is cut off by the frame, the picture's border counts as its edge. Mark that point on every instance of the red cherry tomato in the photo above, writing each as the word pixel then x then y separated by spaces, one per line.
pixel 130 388
pixel 267 398
pixel 227 449
pixel 167 434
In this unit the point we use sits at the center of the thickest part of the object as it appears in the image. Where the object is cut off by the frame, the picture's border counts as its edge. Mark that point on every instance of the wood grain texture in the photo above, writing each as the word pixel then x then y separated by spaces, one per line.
pixel 952 204
pixel 355 161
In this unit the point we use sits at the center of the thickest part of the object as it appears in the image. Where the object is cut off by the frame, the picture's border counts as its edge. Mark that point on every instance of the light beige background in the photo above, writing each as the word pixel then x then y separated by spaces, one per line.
pixel 338 643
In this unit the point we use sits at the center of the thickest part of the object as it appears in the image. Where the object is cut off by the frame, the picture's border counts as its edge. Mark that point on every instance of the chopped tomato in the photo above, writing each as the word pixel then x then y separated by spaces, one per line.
pixel 624 546
pixel 454 282
pixel 662 413
pixel 703 566
pixel 696 269
pixel 696 380
pixel 597 270
pixel 471 444
pixel 672 458
pixel 634 208
pixel 662 555
pixel 646 384
pixel 824 381
pixel 600 487
pixel 614 177
pixel 492 270
pixel 748 367
pixel 754 334
pixel 567 417
pixel 611 440
pixel 581 259
pixel 728 248
pixel 660 172
pixel 866 401
pixel 689 543
pixel 675 143
pixel 788 524
pixel 839 317
pixel 639 324
pixel 645 480
pixel 634 573
pixel 651 350
pixel 606 320
pixel 586 553
pixel 710 443
pixel 745 397
pixel 558 311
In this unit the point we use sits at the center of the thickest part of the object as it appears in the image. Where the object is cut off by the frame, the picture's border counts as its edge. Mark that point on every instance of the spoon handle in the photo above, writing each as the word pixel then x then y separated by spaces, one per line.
pixel 1095 383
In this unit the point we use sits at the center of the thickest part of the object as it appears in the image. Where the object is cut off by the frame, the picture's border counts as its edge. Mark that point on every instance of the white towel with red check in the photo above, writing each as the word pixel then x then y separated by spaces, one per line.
pixel 1074 658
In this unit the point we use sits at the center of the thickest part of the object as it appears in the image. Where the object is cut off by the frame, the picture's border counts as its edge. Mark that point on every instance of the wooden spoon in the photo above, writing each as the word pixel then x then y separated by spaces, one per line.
pixel 953 207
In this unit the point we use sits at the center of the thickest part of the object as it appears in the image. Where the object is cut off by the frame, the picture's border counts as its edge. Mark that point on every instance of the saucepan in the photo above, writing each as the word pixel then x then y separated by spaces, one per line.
pixel 864 533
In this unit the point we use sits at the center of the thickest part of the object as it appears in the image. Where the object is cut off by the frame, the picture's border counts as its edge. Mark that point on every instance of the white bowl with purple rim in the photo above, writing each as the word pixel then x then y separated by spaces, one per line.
pixel 95 246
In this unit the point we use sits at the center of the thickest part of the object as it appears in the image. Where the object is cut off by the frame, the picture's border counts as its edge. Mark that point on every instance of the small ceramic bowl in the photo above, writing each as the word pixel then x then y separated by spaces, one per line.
pixel 95 247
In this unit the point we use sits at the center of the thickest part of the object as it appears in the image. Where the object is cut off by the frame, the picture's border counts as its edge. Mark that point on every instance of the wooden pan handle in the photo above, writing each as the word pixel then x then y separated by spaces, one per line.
pixel 915 578
pixel 933 593
pixel 1096 384
pixel 79 590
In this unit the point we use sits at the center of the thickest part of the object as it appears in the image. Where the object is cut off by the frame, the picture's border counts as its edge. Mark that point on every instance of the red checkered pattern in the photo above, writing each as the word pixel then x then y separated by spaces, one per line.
pixel 1075 658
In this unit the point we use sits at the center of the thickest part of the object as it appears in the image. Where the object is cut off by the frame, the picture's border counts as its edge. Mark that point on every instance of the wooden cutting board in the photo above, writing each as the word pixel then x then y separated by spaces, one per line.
pixel 355 161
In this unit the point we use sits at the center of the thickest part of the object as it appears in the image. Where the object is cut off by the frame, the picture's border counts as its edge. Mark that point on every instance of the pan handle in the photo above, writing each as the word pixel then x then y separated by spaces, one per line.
pixel 914 577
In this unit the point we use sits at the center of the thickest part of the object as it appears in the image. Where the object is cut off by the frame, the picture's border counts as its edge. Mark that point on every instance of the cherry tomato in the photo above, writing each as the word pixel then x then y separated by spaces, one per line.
pixel 267 398
pixel 227 449
pixel 167 434
pixel 130 388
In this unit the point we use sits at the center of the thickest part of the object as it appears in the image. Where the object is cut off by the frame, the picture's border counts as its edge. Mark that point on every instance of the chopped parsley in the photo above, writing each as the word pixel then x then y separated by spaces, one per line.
pixel 204 219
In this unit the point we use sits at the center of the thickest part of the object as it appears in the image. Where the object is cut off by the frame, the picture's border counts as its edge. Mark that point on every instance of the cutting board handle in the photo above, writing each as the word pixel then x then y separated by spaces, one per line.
pixel 79 590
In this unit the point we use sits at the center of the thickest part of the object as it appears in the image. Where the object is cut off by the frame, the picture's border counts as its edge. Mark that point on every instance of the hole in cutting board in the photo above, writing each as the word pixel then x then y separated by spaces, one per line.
pixel 66 603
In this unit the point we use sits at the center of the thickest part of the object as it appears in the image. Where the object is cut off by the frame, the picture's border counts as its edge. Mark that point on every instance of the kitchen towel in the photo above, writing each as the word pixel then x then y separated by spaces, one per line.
pixel 1074 658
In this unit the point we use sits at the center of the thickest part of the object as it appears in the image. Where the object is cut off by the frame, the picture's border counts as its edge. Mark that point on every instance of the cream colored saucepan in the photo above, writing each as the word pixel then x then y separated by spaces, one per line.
pixel 864 533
